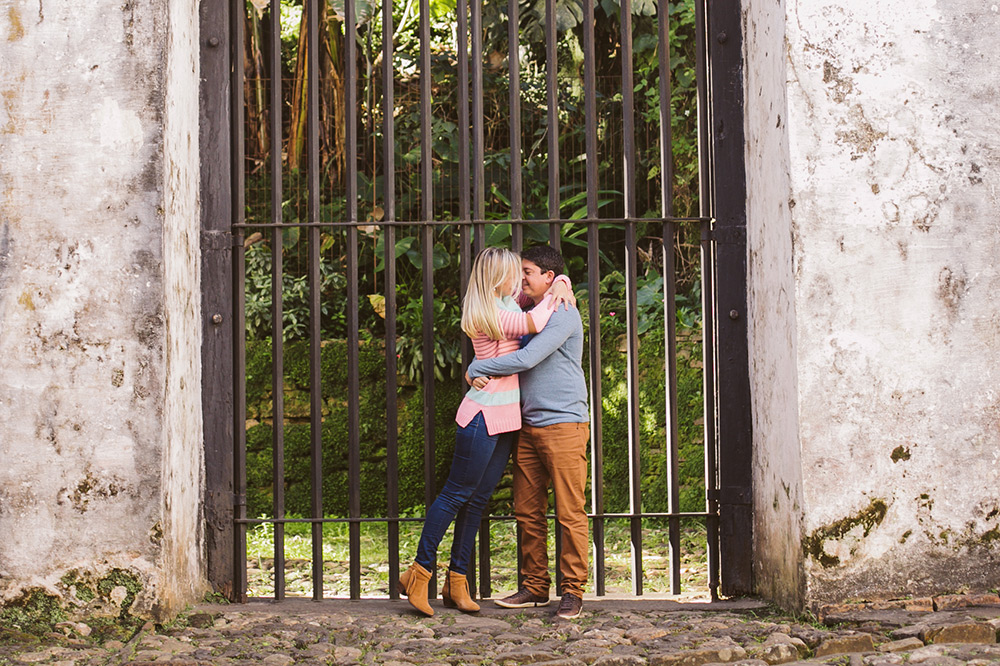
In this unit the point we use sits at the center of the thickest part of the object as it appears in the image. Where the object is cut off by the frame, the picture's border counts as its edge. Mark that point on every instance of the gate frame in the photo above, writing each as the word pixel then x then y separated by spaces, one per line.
pixel 723 155
pixel 723 47
pixel 217 291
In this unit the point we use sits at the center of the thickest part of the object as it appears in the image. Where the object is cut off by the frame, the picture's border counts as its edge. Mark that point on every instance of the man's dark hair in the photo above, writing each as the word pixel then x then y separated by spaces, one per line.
pixel 545 257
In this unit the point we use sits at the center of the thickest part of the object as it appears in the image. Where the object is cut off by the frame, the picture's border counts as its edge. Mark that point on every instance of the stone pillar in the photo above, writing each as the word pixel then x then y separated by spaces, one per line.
pixel 874 234
pixel 100 481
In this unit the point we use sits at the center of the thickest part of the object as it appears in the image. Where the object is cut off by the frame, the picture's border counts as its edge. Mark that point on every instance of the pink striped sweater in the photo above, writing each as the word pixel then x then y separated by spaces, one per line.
pixel 500 400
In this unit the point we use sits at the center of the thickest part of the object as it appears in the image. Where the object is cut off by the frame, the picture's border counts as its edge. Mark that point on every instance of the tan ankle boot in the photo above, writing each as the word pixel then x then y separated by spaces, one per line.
pixel 413 585
pixel 455 593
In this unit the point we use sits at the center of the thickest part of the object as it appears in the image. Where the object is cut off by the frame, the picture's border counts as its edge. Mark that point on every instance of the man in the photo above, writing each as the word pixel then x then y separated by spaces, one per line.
pixel 552 446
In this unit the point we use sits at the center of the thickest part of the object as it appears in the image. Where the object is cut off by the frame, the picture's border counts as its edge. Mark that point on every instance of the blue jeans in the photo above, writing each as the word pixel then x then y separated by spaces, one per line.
pixel 476 468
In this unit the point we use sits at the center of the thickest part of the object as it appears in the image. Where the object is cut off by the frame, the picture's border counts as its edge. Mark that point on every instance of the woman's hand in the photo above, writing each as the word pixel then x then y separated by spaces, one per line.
pixel 479 383
pixel 561 294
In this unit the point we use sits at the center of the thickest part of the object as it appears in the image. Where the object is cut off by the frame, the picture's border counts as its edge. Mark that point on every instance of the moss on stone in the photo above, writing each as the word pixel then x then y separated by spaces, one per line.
pixel 868 518
pixel 34 612
pixel 78 586
pixel 120 578
pixel 900 453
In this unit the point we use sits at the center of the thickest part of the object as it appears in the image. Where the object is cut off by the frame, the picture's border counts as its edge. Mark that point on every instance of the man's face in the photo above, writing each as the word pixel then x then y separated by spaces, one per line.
pixel 534 281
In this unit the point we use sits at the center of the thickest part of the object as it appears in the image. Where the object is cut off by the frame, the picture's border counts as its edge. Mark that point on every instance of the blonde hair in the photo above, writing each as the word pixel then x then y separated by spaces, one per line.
pixel 493 268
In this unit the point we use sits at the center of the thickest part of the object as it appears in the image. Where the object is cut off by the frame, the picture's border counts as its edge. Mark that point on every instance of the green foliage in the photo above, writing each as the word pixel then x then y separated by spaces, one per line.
pixel 404 249
pixel 654 455
pixel 34 612
pixel 334 432
pixel 120 578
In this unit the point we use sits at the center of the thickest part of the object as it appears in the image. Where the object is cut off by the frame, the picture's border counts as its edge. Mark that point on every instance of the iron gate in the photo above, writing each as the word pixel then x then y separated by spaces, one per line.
pixel 466 213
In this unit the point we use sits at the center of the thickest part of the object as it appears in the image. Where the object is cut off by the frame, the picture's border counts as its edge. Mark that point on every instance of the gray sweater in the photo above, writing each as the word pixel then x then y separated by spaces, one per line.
pixel 553 388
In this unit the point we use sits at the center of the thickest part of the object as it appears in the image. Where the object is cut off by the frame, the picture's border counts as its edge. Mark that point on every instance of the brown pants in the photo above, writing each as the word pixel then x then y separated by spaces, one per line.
pixel 556 453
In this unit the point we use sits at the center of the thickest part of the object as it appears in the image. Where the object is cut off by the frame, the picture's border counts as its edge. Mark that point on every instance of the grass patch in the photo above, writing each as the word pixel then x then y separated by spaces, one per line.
pixel 374 557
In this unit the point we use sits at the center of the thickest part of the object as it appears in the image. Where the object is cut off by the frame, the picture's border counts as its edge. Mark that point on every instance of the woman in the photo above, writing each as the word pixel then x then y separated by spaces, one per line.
pixel 488 420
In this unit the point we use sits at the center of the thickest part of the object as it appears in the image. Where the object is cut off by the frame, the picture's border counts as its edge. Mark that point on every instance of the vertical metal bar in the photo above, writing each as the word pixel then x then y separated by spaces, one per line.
pixel 389 247
pixel 709 355
pixel 552 118
pixel 485 566
pixel 669 295
pixel 353 360
pixel 427 230
pixel 557 529
pixel 705 145
pixel 478 175
pixel 514 97
pixel 708 313
pixel 631 271
pixel 593 283
pixel 315 312
pixel 672 425
pixel 465 216
pixel 277 314
pixel 237 17
pixel 462 39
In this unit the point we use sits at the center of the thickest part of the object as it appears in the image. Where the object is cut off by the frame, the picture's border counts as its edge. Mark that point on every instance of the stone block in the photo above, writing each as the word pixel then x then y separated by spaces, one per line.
pixel 640 634
pixel 779 653
pixel 883 618
pixel 909 631
pixel 955 601
pixel 778 638
pixel 963 632
pixel 902 645
pixel 201 620
pixel 984 599
pixel 620 660
pixel 699 657
pixel 884 659
pixel 837 609
pixel 919 604
pixel 846 644
pixel 525 657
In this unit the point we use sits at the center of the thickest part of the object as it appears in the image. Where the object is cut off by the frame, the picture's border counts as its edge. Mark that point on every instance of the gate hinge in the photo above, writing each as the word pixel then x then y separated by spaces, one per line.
pixel 239 499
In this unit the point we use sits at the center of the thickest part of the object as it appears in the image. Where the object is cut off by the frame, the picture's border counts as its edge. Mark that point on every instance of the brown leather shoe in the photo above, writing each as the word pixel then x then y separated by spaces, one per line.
pixel 455 593
pixel 413 585
pixel 523 598
pixel 570 606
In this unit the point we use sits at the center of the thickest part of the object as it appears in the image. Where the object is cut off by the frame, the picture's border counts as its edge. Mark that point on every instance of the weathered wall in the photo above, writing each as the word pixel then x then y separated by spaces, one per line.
pixel 894 147
pixel 99 306
pixel 777 465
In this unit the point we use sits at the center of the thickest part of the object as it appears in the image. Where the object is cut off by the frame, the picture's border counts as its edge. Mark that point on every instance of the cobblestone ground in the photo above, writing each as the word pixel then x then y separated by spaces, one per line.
pixel 947 631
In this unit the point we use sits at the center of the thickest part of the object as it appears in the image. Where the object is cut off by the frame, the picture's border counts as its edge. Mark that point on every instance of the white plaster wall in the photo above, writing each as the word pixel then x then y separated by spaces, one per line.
pixel 183 460
pixel 777 466
pixel 99 338
pixel 894 148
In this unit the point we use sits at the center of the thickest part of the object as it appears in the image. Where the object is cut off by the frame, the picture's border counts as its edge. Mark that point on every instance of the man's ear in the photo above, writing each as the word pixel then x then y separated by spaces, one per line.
pixel 550 277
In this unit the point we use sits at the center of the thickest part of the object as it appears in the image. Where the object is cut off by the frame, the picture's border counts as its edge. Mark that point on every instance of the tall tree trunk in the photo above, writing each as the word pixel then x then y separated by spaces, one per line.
pixel 332 75
pixel 299 101
pixel 255 90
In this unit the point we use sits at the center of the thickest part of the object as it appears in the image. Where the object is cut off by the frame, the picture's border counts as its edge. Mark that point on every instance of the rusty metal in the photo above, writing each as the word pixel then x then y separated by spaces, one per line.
pixel 723 238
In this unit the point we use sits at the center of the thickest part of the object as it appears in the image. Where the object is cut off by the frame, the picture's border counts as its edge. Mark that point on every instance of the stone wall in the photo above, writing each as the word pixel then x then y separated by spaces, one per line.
pixel 99 305
pixel 777 466
pixel 892 214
